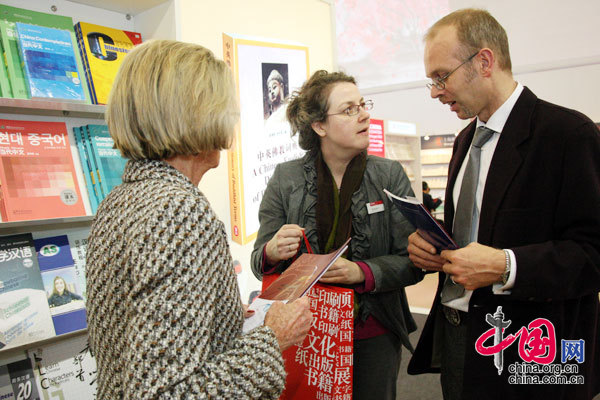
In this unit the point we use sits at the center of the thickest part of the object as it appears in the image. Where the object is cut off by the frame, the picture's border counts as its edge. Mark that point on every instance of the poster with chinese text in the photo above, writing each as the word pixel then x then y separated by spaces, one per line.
pixel 266 74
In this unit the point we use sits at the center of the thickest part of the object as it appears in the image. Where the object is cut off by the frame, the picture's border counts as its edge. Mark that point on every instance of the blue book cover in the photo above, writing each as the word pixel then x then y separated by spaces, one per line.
pixel 86 64
pixel 24 314
pixel 85 131
pixel 86 167
pixel 49 63
pixel 61 283
pixel 423 221
pixel 110 162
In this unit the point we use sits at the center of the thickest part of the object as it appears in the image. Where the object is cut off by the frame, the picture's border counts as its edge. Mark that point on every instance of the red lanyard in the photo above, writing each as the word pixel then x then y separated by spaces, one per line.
pixel 308 248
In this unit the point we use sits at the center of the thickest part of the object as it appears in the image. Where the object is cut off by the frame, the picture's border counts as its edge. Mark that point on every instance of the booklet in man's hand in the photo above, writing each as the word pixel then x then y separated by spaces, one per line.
pixel 293 283
pixel 423 221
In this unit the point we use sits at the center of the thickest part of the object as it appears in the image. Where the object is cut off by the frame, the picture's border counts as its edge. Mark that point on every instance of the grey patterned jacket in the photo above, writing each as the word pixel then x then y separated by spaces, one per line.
pixel 164 310
pixel 379 239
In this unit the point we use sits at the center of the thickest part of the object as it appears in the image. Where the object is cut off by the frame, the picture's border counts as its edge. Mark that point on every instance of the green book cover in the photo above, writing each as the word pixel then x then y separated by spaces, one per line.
pixel 10 43
pixel 5 88
pixel 14 14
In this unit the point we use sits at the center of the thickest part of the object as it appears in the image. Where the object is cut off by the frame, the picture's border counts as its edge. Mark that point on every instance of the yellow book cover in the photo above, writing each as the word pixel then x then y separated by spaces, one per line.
pixel 102 50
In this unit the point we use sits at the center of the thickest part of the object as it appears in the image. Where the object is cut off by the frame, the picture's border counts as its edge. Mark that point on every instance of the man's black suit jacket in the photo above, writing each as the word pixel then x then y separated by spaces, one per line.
pixel 542 200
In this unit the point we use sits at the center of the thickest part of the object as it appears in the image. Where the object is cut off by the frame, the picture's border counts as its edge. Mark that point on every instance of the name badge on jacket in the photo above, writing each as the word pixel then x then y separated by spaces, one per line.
pixel 375 207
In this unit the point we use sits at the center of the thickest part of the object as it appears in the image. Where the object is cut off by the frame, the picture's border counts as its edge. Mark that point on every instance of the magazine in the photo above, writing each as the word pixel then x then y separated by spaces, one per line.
pixel 414 211
pixel 293 283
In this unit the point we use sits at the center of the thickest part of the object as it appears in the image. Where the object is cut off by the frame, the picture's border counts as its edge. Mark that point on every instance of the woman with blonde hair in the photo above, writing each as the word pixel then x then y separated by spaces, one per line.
pixel 164 311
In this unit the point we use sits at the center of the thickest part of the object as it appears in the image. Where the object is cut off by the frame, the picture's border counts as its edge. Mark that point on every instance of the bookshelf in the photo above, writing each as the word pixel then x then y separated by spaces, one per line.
pixel 403 145
pixel 154 19
pixel 51 108
pixel 436 151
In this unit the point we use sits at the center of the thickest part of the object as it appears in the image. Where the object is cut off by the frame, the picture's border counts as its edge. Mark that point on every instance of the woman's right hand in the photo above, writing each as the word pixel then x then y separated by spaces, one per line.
pixel 290 322
pixel 284 244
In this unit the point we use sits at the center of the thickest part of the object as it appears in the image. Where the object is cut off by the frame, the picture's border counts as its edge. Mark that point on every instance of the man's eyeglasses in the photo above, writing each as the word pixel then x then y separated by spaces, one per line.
pixel 355 108
pixel 440 82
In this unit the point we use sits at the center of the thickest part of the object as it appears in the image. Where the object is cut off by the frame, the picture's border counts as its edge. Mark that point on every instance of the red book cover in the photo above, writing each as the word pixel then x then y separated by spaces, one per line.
pixel 321 367
pixel 37 176
pixel 299 277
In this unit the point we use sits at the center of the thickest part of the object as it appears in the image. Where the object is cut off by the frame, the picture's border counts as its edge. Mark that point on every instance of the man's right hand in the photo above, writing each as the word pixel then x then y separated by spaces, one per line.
pixel 423 254
pixel 290 322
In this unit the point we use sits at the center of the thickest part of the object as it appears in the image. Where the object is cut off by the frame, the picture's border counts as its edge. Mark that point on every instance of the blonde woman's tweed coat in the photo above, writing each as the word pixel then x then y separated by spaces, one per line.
pixel 164 311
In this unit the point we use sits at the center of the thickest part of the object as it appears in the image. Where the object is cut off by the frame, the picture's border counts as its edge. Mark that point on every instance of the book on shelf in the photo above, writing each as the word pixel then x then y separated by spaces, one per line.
pixel 15 14
pixel 65 369
pixel 37 175
pixel 416 213
pixel 78 240
pixel 103 50
pixel 10 45
pixel 5 89
pixel 94 162
pixel 292 284
pixel 49 63
pixel 61 283
pixel 109 160
pixel 17 380
pixel 86 167
pixel 24 313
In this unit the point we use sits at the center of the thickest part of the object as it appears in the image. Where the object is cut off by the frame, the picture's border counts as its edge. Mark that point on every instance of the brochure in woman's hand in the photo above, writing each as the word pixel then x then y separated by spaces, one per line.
pixel 293 283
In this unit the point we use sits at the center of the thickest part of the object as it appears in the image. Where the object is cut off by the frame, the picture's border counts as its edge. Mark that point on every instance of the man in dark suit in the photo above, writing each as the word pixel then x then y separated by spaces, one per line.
pixel 516 314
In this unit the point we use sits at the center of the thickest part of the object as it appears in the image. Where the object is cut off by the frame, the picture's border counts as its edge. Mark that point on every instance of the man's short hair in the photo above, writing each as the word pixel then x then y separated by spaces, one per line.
pixel 476 29
pixel 171 98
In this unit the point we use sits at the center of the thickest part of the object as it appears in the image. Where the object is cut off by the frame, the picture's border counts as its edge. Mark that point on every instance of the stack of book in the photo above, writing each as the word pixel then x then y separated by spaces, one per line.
pixel 43 295
pixel 41 57
pixel 102 165
pixel 45 59
pixel 37 174
pixel 44 287
pixel 102 50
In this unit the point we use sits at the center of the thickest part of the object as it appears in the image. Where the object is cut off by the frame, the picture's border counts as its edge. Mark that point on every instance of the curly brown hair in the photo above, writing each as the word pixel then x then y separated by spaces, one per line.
pixel 310 104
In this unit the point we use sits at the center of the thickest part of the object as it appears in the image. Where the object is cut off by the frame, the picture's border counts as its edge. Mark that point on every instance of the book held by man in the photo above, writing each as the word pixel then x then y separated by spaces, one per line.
pixel 293 283
pixel 423 221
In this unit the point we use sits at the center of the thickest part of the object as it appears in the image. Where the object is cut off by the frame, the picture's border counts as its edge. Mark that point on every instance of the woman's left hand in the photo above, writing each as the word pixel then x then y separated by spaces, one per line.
pixel 344 272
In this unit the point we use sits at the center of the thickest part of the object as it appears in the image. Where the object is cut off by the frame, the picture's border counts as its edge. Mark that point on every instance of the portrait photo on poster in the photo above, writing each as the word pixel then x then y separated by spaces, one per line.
pixel 62 290
pixel 275 84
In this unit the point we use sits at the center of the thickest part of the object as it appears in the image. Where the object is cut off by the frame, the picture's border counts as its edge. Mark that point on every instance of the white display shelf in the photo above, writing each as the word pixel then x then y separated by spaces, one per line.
pixel 43 342
pixel 51 108
pixel 39 223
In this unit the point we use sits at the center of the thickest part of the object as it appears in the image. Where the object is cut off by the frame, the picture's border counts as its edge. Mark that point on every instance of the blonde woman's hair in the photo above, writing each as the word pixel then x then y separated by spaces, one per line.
pixel 476 29
pixel 171 98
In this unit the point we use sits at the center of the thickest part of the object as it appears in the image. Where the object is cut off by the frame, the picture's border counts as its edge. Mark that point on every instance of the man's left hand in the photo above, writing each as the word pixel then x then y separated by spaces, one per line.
pixel 475 265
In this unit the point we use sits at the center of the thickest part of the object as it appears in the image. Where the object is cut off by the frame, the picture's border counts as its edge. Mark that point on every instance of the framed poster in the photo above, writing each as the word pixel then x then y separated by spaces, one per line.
pixel 266 73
